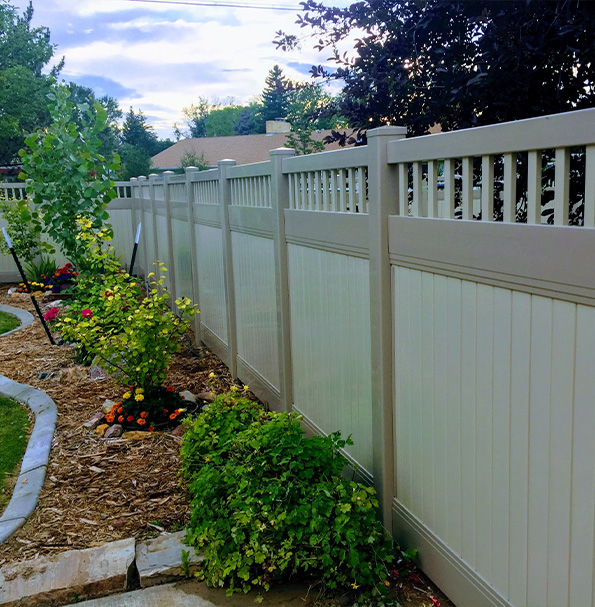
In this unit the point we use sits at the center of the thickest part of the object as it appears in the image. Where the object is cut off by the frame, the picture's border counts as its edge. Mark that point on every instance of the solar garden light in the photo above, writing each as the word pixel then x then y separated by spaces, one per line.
pixel 27 286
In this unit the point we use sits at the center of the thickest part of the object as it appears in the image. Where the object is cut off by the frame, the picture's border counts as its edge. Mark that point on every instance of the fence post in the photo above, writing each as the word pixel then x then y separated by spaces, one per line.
pixel 170 239
pixel 280 202
pixel 189 171
pixel 382 189
pixel 224 202
pixel 152 178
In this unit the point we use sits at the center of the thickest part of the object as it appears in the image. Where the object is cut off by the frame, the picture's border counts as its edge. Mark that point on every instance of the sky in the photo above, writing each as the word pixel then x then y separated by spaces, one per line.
pixel 160 57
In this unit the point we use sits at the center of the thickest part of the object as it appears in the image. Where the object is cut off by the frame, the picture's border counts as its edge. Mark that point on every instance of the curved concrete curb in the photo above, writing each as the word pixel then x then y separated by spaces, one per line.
pixel 30 480
pixel 25 317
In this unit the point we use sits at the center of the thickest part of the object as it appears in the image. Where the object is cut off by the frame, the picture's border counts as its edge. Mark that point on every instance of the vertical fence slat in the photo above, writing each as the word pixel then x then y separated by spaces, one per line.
pixel 403 190
pixel 416 204
pixel 432 189
pixel 562 177
pixel 317 196
pixel 534 187
pixel 449 187
pixel 467 193
pixel 487 188
pixel 342 197
pixel 589 217
pixel 325 192
pixel 351 177
pixel 362 201
pixel 334 205
pixel 509 203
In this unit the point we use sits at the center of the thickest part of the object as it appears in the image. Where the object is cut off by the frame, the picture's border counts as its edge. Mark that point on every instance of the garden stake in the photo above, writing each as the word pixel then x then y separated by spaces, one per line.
pixel 134 249
pixel 27 287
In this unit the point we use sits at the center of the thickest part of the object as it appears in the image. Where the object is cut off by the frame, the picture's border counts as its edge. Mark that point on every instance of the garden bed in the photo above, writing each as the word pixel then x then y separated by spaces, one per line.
pixel 97 490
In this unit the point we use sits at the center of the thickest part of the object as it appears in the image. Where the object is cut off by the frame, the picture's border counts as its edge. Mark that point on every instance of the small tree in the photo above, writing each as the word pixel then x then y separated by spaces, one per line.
pixel 68 177
pixel 192 159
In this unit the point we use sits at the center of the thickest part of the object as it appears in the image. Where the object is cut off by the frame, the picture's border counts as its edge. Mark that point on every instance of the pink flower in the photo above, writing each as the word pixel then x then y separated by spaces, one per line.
pixel 51 314
pixel 86 313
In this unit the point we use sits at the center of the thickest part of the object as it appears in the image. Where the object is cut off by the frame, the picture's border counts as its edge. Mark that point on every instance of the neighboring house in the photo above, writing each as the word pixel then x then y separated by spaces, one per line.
pixel 244 149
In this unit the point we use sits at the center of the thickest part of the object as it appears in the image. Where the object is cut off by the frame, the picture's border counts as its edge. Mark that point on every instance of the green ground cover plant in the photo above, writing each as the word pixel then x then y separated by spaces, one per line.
pixel 8 322
pixel 269 504
pixel 14 424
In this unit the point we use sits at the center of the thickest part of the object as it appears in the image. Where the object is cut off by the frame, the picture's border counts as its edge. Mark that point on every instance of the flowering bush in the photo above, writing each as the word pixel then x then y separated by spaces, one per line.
pixel 55 283
pixel 133 336
pixel 140 410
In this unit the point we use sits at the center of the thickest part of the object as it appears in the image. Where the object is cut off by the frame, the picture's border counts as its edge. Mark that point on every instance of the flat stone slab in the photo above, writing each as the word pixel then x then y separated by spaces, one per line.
pixel 159 561
pixel 196 594
pixel 69 576
pixel 25 317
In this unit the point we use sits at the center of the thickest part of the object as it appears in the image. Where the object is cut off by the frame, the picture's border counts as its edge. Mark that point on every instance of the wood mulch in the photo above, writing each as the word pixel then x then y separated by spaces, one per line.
pixel 99 490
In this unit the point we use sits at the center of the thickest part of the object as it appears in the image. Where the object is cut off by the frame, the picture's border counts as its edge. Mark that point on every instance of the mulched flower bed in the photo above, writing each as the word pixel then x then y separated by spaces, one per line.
pixel 99 490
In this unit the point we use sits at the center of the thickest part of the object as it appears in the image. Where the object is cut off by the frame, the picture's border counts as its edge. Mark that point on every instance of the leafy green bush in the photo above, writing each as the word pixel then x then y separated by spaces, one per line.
pixel 269 503
pixel 24 229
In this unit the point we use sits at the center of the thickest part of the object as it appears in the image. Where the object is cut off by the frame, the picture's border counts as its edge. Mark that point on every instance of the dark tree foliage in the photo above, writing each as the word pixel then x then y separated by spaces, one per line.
pixel 24 52
pixel 136 132
pixel 275 102
pixel 455 63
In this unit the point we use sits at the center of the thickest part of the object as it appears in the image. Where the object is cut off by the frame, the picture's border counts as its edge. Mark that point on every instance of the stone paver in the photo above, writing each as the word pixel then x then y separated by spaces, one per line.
pixel 195 594
pixel 69 576
pixel 159 561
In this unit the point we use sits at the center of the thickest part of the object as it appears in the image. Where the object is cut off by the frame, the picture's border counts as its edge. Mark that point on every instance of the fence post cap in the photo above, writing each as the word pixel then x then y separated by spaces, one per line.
pixel 226 162
pixel 282 152
pixel 387 131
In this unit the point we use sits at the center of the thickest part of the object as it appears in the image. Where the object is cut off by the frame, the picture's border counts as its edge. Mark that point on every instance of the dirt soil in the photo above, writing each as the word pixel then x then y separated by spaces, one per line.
pixel 99 490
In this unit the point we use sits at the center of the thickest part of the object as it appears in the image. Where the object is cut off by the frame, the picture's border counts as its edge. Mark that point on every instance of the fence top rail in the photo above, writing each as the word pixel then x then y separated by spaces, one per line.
pixel 335 159
pixel 208 175
pixel 122 184
pixel 176 179
pixel 257 169
pixel 546 132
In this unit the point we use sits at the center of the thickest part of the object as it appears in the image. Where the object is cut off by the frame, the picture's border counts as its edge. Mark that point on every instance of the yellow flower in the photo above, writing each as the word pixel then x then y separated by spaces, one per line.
pixel 211 375
pixel 127 395
pixel 139 397
pixel 355 586
pixel 139 390
pixel 234 388
pixel 246 388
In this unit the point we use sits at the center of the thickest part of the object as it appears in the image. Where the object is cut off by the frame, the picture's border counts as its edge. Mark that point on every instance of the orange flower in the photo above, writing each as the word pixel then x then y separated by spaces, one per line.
pixel 182 396
pixel 151 429
pixel 120 409
pixel 170 388
pixel 120 419
pixel 119 404
pixel 109 418
pixel 144 414
pixel 173 416
pixel 165 411
pixel 141 422
pixel 130 418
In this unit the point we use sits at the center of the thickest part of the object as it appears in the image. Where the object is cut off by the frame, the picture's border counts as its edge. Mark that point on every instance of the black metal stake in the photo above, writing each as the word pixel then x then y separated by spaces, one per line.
pixel 134 249
pixel 27 287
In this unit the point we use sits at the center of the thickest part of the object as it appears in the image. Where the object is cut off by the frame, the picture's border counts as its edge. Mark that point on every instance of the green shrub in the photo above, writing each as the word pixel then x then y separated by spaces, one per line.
pixel 269 503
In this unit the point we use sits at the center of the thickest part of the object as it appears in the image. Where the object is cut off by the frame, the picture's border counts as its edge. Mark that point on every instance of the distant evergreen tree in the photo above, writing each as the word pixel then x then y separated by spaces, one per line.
pixel 275 96
pixel 136 132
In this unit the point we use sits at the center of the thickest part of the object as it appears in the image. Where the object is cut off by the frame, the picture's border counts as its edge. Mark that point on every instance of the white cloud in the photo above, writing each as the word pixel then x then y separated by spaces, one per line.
pixel 170 54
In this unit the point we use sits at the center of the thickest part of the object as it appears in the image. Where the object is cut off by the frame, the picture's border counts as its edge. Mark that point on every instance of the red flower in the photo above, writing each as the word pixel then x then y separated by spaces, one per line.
pixel 86 313
pixel 151 429
pixel 170 388
pixel 51 314
pixel 121 419
pixel 130 418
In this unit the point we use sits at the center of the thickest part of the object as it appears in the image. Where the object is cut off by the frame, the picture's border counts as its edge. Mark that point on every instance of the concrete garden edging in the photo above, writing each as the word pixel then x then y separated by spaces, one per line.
pixel 25 317
pixel 33 468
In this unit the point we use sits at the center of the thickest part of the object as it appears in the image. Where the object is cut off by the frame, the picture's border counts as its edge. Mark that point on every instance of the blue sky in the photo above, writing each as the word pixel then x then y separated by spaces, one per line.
pixel 162 57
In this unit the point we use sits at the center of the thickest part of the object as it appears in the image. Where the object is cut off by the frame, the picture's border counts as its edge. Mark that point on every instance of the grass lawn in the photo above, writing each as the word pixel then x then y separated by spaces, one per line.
pixel 8 322
pixel 14 424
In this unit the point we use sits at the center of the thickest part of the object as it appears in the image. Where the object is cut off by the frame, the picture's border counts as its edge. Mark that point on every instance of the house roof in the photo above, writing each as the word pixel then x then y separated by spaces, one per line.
pixel 244 149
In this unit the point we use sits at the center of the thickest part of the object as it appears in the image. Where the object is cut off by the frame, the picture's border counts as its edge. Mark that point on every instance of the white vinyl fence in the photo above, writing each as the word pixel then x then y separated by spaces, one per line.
pixel 435 299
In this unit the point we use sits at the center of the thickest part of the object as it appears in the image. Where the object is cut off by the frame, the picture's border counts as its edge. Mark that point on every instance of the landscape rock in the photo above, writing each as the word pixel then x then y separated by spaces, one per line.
pixel 188 396
pixel 73 375
pixel 107 406
pixel 113 431
pixel 45 374
pixel 72 575
pixel 93 422
pixel 96 373
pixel 179 430
pixel 209 397
pixel 159 561
pixel 101 430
